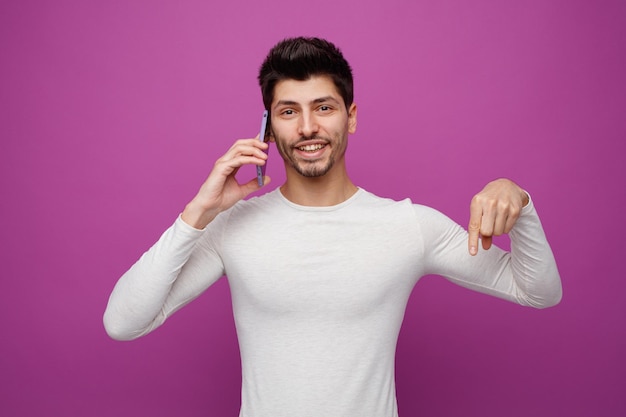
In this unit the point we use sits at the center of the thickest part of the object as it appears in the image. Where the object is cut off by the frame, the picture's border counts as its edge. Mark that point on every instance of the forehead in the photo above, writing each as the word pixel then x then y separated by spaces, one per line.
pixel 307 91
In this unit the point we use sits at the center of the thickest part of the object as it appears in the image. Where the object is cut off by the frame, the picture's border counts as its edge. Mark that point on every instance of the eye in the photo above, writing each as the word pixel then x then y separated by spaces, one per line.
pixel 324 108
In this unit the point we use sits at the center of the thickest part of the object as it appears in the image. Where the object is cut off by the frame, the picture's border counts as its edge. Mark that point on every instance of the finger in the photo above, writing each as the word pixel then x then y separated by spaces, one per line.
pixel 248 151
pixel 487 228
pixel 258 142
pixel 511 220
pixel 246 147
pixel 486 242
pixel 499 225
pixel 225 168
pixel 473 228
pixel 488 220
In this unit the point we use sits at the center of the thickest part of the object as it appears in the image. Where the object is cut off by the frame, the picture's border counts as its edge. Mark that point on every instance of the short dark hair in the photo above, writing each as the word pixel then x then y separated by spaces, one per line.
pixel 302 58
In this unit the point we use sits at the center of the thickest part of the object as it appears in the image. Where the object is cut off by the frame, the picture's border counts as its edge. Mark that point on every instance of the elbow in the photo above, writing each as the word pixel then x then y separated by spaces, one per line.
pixel 547 303
pixel 555 299
pixel 554 296
pixel 115 329
pixel 550 299
pixel 122 328
pixel 549 293
pixel 558 296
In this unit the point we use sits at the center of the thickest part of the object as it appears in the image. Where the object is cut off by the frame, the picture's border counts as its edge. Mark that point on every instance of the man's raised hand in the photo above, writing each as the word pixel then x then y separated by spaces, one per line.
pixel 221 190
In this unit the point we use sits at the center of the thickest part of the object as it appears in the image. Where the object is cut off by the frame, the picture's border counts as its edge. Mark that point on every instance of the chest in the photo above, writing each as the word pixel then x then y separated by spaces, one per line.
pixel 316 262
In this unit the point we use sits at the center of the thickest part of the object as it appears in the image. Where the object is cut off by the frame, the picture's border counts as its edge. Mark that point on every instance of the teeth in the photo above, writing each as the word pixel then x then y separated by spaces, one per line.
pixel 311 148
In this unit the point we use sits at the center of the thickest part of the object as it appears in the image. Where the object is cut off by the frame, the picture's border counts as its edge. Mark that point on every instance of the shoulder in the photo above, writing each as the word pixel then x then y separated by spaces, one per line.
pixel 405 205
pixel 260 203
pixel 366 198
pixel 246 208
pixel 413 215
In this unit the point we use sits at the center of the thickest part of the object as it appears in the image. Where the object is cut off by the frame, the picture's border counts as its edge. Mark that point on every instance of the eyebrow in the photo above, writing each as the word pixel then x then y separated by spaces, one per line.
pixel 319 100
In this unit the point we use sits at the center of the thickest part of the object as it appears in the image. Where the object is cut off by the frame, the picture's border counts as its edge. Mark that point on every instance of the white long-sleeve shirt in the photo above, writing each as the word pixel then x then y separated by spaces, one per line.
pixel 319 293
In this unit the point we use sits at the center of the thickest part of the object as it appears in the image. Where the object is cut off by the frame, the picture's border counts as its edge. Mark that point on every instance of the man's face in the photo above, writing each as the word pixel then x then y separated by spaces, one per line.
pixel 310 125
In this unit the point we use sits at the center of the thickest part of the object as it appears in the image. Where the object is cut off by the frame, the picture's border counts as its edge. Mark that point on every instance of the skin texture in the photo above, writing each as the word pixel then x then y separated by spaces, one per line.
pixel 310 128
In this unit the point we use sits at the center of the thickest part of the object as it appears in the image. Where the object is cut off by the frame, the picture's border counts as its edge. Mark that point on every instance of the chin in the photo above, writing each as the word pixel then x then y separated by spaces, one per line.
pixel 313 171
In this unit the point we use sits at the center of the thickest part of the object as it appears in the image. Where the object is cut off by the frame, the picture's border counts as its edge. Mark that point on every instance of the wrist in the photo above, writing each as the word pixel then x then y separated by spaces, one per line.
pixel 197 216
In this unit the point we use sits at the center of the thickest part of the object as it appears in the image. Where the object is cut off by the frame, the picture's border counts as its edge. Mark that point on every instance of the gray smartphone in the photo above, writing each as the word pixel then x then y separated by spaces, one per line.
pixel 260 170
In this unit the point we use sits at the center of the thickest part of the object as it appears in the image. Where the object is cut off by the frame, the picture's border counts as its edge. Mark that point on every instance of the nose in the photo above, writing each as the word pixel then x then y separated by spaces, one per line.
pixel 308 125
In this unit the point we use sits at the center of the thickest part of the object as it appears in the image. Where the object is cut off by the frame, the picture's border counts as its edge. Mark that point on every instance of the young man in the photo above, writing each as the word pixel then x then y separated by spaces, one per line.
pixel 319 308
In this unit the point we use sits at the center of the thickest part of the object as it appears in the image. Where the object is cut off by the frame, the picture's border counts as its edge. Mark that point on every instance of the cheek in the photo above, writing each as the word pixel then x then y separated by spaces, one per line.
pixel 279 133
pixel 280 144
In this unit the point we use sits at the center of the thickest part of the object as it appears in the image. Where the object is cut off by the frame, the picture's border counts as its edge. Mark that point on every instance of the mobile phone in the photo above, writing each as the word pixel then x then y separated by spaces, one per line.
pixel 260 170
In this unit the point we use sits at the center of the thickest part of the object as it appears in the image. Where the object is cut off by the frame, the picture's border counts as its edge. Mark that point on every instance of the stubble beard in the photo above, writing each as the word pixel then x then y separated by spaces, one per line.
pixel 308 169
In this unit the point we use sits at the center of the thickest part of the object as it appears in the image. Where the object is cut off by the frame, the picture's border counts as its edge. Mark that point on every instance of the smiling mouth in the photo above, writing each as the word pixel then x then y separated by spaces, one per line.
pixel 311 148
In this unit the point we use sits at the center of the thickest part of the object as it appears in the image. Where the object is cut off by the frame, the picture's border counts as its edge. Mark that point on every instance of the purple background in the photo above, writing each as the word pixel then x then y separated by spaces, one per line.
pixel 112 114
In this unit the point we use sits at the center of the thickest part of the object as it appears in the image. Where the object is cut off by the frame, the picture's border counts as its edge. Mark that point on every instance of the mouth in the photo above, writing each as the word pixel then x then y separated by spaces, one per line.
pixel 311 148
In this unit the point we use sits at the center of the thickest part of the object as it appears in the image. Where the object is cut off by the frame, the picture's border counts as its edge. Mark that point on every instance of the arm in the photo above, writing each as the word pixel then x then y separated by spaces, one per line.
pixel 174 271
pixel 527 275
pixel 181 264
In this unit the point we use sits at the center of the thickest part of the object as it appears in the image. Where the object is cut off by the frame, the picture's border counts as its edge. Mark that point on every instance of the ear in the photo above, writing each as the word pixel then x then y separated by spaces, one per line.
pixel 352 118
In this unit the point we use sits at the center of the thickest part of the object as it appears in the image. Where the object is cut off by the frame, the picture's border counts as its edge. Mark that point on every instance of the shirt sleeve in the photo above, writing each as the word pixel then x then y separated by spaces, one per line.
pixel 174 271
pixel 526 275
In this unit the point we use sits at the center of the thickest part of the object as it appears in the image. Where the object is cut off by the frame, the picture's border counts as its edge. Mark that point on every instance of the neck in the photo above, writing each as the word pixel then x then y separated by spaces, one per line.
pixel 325 191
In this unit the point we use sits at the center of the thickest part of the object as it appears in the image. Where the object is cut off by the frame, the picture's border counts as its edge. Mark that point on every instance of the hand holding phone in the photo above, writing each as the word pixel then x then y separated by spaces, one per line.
pixel 260 170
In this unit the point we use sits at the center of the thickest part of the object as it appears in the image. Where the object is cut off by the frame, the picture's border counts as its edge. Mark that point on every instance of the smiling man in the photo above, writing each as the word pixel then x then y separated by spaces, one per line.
pixel 319 311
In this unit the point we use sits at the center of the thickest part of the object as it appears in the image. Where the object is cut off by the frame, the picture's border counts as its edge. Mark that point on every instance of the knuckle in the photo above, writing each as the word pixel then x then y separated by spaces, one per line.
pixel 486 229
pixel 473 225
pixel 477 199
pixel 486 232
pixel 503 205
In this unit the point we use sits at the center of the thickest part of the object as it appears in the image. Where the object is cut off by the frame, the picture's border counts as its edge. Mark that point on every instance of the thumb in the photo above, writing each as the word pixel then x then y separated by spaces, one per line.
pixel 253 185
